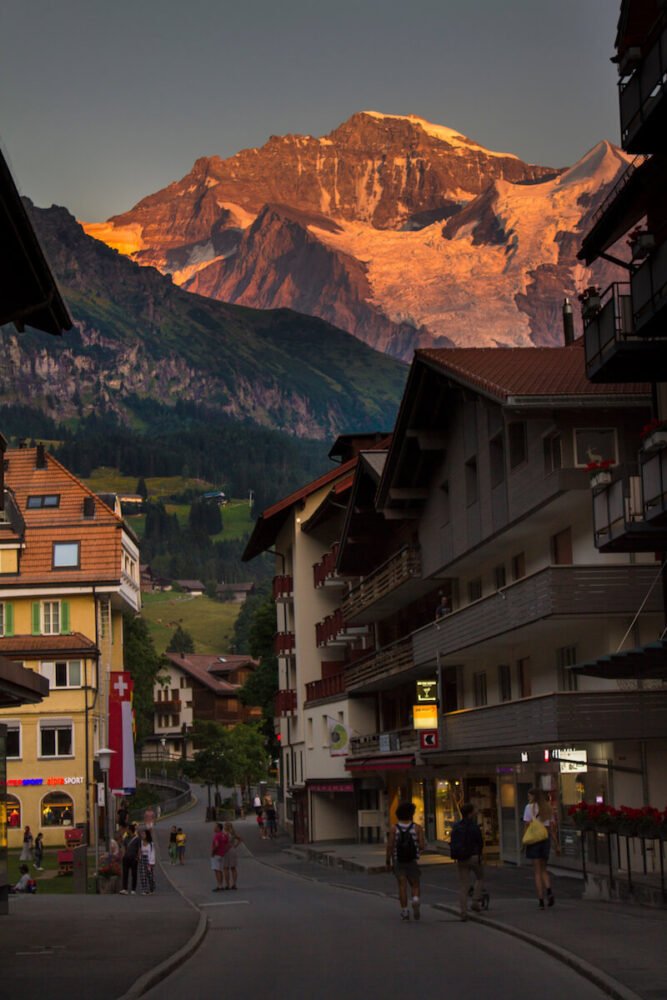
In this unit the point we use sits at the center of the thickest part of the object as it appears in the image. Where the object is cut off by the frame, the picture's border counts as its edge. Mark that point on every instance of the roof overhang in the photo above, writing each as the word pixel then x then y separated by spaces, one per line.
pixel 19 686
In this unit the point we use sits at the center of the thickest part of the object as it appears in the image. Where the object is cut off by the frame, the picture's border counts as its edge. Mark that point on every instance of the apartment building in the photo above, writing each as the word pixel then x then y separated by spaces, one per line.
pixel 68 569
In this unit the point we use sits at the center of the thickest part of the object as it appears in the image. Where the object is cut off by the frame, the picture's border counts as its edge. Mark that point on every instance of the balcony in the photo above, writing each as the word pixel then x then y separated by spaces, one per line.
pixel 284 643
pixel 643 100
pixel 387 588
pixel 619 524
pixel 654 487
pixel 283 588
pixel 172 705
pixel 613 351
pixel 285 703
pixel 649 302
pixel 556 590
pixel 560 718
pixel 392 664
pixel 324 572
pixel 334 630
pixel 405 740
pixel 326 687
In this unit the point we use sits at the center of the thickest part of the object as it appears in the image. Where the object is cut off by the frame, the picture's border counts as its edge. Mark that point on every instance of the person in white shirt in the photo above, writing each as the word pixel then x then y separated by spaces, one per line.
pixel 539 808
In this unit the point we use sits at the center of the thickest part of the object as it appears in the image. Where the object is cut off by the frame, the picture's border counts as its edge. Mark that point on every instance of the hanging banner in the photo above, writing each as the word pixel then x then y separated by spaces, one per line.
pixel 122 775
pixel 339 739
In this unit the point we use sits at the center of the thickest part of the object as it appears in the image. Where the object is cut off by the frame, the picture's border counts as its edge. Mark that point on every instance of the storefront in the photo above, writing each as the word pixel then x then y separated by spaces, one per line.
pixel 48 805
pixel 457 786
pixel 333 812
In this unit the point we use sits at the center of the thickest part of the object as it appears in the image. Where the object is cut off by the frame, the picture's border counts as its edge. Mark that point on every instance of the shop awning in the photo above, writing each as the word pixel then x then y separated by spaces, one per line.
pixel 397 762
pixel 643 663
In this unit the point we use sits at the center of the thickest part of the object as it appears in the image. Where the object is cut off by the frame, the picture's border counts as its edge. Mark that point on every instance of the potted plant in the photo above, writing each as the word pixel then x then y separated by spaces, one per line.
pixel 590 302
pixel 641 243
pixel 108 874
pixel 654 434
pixel 600 473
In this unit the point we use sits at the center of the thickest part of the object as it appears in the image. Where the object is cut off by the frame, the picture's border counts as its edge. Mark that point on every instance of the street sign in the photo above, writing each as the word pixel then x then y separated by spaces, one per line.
pixel 428 739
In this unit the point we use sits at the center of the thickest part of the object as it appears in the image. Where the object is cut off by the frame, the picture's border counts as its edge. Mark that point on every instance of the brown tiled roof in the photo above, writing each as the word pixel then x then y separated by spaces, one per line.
pixel 43 644
pixel 204 667
pixel 530 371
pixel 100 536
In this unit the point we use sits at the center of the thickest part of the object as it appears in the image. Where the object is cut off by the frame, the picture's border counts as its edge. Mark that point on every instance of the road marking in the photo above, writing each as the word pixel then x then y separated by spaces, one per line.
pixel 232 902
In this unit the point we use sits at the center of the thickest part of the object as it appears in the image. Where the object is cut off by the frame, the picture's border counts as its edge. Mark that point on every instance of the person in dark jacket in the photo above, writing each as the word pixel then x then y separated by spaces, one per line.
pixel 467 846
pixel 132 849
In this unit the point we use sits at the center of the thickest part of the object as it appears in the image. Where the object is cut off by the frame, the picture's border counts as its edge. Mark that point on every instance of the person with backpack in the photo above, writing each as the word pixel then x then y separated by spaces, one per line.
pixel 466 846
pixel 404 845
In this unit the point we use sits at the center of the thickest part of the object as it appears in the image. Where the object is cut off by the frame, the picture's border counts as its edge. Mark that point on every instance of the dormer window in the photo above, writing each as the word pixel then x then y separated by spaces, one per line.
pixel 43 501
pixel 66 555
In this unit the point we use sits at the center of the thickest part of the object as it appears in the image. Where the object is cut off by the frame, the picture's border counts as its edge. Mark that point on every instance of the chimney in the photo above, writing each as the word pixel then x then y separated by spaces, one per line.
pixel 568 323
pixel 40 462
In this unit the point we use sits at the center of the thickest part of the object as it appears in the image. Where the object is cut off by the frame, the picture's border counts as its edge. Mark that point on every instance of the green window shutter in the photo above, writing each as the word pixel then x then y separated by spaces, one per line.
pixel 9 619
pixel 36 619
pixel 64 617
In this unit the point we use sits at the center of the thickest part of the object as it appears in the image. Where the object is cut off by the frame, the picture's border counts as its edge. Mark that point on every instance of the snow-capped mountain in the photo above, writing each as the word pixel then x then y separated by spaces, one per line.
pixel 402 232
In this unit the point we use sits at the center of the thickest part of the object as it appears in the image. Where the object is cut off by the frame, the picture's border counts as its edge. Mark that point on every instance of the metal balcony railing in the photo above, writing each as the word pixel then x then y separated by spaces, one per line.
pixel 641 94
pixel 649 294
pixel 654 485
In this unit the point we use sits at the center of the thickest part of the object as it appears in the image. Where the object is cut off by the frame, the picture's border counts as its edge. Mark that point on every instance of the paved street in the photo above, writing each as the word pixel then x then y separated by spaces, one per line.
pixel 302 930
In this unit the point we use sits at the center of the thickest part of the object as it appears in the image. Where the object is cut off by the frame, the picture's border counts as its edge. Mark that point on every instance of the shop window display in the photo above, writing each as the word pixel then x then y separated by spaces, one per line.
pixel 57 810
pixel 449 799
pixel 13 812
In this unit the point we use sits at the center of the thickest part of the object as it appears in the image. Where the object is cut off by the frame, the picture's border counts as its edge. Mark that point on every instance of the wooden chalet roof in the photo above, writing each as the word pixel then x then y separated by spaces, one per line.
pixel 99 535
pixel 206 668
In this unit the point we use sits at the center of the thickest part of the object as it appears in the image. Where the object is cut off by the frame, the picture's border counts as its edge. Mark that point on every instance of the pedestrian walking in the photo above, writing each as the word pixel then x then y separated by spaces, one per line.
pixel 147 863
pixel 537 840
pixel 404 845
pixel 220 845
pixel 230 860
pixel 172 844
pixel 130 863
pixel 180 846
pixel 26 850
pixel 39 851
pixel 466 846
pixel 271 821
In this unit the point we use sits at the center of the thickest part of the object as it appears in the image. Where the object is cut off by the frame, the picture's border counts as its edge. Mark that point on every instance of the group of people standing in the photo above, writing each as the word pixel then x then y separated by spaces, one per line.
pixel 137 851
pixel 267 817
pixel 224 856
pixel 406 842
pixel 32 850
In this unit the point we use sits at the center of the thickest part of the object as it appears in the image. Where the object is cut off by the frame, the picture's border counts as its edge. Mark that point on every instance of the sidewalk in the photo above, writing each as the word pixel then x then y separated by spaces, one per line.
pixel 621 946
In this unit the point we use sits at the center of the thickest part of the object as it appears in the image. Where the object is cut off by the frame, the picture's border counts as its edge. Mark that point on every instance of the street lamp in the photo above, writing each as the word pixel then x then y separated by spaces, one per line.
pixel 104 760
pixel 163 744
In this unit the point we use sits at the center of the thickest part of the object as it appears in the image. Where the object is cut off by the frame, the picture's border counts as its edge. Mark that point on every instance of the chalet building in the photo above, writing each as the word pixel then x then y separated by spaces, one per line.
pixel 625 338
pixel 193 587
pixel 236 592
pixel 69 569
pixel 198 687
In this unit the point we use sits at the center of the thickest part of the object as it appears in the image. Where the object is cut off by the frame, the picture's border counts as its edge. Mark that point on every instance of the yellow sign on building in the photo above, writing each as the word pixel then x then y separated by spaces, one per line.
pixel 425 716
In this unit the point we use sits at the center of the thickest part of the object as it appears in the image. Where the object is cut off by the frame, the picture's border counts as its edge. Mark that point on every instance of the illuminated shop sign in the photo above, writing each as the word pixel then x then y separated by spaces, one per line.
pixel 25 782
pixel 427 691
pixel 425 716
pixel 569 759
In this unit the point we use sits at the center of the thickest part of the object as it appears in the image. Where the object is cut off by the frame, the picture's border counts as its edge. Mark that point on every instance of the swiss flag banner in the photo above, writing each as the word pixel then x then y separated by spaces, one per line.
pixel 122 776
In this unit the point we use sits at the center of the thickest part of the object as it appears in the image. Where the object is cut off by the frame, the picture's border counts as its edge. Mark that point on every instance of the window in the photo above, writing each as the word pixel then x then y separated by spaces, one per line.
pixel 594 444
pixel 474 590
pixel 518 566
pixel 183 682
pixel 479 689
pixel 57 810
pixel 516 436
pixel 13 806
pixel 505 681
pixel 525 687
pixel 497 460
pixel 13 743
pixel 65 555
pixel 9 560
pixel 55 739
pixel 62 673
pixel 471 481
pixel 6 618
pixel 48 500
pixel 566 657
pixel 561 548
pixel 553 453
pixel 500 577
pixel 50 617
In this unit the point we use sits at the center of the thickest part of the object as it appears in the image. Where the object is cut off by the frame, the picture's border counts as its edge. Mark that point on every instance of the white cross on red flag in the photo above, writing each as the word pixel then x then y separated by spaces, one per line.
pixel 122 775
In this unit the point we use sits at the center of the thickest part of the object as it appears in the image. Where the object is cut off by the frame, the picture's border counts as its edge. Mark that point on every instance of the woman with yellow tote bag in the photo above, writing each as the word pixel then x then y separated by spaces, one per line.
pixel 537 841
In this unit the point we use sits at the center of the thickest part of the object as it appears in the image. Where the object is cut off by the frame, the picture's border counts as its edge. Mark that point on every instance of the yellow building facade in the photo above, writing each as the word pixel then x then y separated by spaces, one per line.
pixel 69 568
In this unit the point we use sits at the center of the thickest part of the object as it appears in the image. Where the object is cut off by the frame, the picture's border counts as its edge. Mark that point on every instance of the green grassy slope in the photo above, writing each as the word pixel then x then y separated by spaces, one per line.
pixel 210 623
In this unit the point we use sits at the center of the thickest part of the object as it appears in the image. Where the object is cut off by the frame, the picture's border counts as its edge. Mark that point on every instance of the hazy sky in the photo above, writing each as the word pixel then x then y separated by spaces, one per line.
pixel 105 101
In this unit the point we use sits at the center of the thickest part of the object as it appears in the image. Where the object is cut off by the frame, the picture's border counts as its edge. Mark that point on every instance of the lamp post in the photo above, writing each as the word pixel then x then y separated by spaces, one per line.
pixel 163 744
pixel 104 759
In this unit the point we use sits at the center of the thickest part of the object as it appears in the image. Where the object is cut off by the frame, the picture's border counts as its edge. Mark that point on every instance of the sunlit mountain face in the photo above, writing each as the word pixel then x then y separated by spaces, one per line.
pixel 404 233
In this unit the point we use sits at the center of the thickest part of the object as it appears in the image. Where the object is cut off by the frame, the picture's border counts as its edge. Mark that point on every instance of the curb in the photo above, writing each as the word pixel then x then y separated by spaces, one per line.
pixel 161 971
pixel 608 984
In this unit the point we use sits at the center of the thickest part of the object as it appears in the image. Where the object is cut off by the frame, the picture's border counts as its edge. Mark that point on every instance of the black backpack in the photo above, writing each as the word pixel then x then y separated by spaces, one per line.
pixel 462 844
pixel 406 848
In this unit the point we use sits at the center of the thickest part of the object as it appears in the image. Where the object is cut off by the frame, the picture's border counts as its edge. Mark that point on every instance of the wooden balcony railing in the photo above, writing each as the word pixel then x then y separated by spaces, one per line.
pixel 285 703
pixel 379 666
pixel 284 643
pixel 172 705
pixel 325 687
pixel 324 571
pixel 403 566
pixel 283 587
